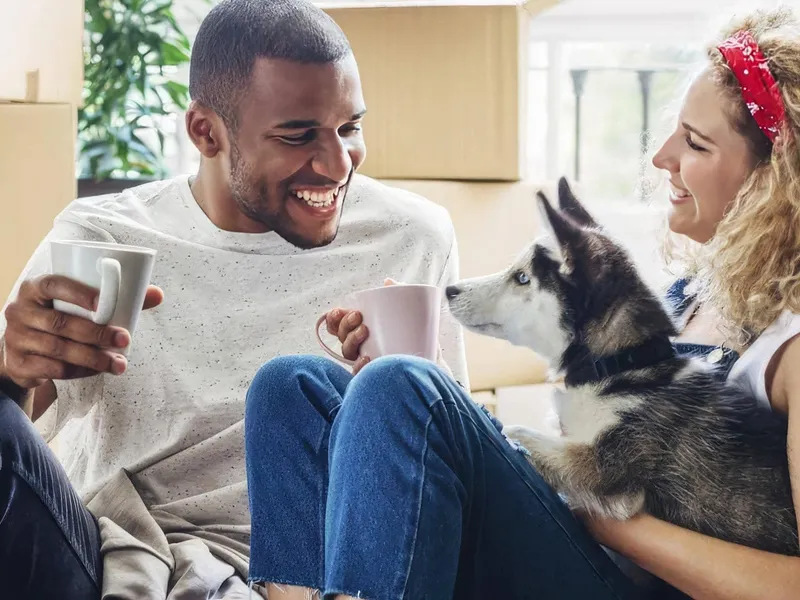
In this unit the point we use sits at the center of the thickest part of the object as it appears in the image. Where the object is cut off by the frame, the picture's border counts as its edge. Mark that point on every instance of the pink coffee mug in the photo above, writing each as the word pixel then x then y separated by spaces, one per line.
pixel 401 319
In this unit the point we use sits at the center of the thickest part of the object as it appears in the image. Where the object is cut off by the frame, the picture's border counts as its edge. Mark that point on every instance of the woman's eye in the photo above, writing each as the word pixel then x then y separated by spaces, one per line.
pixel 522 278
pixel 692 145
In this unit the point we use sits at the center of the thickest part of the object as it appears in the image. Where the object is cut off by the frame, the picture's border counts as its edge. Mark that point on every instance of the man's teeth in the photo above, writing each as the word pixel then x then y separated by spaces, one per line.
pixel 318 198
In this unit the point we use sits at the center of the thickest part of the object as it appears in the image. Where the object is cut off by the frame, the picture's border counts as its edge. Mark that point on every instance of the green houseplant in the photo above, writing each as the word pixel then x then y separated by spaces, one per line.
pixel 133 50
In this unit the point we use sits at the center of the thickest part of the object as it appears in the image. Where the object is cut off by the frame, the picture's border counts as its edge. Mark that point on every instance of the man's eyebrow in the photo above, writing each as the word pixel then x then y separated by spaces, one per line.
pixel 310 123
pixel 298 124
pixel 688 127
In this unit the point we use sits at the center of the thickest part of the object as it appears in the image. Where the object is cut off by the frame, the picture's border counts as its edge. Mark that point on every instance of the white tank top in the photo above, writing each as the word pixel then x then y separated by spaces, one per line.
pixel 750 370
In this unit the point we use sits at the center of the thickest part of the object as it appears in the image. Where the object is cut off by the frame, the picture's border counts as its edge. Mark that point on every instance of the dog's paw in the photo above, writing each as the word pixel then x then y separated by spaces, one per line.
pixel 530 438
pixel 516 431
pixel 515 434
pixel 523 436
pixel 545 453
pixel 537 446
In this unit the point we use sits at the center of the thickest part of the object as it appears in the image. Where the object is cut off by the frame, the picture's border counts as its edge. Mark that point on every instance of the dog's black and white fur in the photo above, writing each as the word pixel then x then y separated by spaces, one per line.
pixel 643 428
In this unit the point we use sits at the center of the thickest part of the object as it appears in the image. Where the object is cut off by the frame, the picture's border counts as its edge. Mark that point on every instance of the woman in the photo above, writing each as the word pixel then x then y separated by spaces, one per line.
pixel 394 484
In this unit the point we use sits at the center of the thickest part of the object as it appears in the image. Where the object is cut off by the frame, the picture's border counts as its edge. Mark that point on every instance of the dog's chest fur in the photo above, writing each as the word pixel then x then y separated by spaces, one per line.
pixel 584 414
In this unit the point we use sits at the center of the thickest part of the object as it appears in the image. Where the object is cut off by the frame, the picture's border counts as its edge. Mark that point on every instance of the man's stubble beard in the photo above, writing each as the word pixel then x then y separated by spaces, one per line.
pixel 253 202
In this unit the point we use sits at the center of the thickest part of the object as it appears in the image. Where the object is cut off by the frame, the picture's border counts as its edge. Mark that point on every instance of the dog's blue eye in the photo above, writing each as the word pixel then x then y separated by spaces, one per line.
pixel 522 278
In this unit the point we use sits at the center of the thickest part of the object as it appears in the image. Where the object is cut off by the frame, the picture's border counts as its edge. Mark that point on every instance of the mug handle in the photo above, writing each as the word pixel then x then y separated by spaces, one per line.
pixel 326 348
pixel 110 276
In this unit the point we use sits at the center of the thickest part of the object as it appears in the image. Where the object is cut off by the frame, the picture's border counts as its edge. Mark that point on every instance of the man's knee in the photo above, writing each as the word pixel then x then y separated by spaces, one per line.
pixel 285 380
pixel 395 383
pixel 282 369
pixel 398 369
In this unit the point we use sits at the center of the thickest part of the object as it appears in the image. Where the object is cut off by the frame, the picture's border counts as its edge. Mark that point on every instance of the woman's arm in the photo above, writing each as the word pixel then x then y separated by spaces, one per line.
pixel 707 568
pixel 703 567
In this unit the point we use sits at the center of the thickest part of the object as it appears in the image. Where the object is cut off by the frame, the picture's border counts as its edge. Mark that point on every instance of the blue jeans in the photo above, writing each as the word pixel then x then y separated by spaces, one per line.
pixel 49 542
pixel 395 484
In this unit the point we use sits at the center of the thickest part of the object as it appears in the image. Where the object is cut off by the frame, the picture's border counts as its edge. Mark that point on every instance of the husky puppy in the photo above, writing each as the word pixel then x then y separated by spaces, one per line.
pixel 643 429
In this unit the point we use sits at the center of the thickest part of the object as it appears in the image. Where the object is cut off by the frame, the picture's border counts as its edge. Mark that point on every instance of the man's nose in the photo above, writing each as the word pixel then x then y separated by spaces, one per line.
pixel 333 160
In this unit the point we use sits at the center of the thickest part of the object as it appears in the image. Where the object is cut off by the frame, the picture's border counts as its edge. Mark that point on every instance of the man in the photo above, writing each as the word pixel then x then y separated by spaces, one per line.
pixel 274 230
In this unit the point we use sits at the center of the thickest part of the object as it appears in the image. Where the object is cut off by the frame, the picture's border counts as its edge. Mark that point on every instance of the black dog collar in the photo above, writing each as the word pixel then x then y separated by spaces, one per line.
pixel 581 367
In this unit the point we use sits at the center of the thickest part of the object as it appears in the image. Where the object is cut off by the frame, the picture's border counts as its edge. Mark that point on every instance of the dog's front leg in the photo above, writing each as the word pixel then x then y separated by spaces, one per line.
pixel 547 454
pixel 572 469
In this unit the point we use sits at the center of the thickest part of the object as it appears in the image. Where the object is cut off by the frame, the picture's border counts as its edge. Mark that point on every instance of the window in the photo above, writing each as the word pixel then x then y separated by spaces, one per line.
pixel 598 111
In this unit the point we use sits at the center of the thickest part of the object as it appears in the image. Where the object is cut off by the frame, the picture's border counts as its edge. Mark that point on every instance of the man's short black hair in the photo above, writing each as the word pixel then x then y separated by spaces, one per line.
pixel 237 32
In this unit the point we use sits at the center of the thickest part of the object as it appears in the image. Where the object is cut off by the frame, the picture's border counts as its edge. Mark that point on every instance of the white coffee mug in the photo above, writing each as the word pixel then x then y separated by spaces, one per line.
pixel 401 319
pixel 121 274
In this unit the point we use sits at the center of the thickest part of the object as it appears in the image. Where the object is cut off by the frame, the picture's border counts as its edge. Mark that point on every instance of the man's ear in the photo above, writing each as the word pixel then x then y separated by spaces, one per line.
pixel 570 204
pixel 567 234
pixel 206 129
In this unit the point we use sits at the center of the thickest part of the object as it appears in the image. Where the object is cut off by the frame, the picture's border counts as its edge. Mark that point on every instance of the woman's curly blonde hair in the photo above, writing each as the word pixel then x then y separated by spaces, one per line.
pixel 750 270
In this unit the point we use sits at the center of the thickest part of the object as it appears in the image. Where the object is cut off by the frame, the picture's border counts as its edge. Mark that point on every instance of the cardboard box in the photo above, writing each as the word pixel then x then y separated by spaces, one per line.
pixel 44 37
pixel 445 86
pixel 493 223
pixel 37 179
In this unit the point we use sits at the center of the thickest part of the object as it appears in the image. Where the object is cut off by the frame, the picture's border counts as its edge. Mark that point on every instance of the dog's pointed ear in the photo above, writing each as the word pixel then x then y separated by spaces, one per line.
pixel 569 203
pixel 566 233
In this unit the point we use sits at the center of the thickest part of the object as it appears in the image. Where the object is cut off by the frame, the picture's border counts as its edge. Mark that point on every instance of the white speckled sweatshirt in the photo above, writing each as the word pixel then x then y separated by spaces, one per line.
pixel 172 426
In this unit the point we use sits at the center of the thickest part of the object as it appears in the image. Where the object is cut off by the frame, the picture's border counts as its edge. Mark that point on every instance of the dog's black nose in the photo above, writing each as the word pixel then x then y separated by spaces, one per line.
pixel 451 292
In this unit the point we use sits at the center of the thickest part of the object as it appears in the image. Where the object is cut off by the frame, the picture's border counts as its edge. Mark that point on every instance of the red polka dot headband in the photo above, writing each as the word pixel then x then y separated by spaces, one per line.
pixel 759 88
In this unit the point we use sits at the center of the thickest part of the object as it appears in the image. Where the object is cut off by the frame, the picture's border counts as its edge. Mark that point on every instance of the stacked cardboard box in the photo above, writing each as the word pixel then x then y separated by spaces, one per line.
pixel 445 85
pixel 41 78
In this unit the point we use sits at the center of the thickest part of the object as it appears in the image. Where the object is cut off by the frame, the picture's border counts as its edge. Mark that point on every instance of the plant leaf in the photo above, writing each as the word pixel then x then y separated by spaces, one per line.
pixel 132 48
pixel 178 92
pixel 173 55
